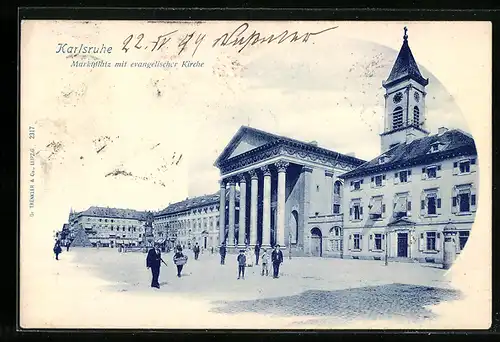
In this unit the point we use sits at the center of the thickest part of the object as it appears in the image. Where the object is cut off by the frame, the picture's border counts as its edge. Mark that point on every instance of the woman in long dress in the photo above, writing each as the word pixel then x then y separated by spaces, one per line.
pixel 249 257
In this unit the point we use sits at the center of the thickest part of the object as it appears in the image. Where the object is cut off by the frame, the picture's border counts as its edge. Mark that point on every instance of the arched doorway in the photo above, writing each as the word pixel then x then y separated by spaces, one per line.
pixel 204 235
pixel 316 242
pixel 335 239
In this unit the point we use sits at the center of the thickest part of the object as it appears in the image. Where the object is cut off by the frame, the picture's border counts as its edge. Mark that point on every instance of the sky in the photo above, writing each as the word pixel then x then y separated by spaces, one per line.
pixel 144 138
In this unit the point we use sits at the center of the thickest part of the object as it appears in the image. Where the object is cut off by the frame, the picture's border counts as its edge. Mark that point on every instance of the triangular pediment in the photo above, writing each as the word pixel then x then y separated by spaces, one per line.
pixel 401 222
pixel 245 140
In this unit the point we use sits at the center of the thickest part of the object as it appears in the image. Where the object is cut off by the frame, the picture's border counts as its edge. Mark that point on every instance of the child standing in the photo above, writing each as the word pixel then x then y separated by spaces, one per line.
pixel 265 262
pixel 242 260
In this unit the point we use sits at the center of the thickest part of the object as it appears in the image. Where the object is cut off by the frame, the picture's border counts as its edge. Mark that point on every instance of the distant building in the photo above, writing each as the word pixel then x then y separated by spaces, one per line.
pixel 400 201
pixel 194 220
pixel 111 226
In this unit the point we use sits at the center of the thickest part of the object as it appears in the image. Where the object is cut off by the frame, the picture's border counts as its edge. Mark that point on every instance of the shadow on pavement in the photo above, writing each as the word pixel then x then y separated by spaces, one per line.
pixel 373 302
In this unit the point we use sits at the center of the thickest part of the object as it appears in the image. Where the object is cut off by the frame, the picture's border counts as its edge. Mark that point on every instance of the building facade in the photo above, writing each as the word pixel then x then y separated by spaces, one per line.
pixel 111 227
pixel 194 220
pixel 290 193
pixel 399 203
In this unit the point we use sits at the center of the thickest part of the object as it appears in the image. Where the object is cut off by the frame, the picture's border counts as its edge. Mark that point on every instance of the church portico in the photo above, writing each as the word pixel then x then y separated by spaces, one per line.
pixel 282 184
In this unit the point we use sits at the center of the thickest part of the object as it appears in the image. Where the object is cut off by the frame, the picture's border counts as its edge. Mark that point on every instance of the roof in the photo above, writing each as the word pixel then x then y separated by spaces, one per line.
pixel 115 213
pixel 453 142
pixel 194 202
pixel 274 139
pixel 405 66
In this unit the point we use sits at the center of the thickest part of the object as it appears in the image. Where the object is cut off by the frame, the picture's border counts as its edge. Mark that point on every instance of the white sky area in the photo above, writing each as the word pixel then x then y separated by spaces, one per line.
pixel 328 90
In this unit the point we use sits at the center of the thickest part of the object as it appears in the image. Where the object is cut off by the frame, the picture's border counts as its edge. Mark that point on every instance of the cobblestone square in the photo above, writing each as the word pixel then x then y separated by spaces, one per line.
pixel 319 292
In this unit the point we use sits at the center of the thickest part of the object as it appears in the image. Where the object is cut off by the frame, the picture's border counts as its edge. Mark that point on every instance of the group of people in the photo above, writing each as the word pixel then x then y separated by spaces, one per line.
pixel 243 260
pixel 58 248
pixel 154 260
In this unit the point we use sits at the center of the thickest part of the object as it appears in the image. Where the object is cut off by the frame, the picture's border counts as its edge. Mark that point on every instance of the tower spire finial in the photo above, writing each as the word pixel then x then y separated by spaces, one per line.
pixel 405 37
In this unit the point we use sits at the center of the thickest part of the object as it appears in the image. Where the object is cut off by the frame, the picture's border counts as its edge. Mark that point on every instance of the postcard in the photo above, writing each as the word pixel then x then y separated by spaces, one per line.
pixel 259 174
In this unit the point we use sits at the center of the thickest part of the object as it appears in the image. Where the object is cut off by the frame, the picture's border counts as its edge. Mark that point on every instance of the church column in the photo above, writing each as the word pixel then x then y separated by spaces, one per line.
pixel 329 189
pixel 253 206
pixel 266 208
pixel 243 204
pixel 222 212
pixel 232 212
pixel 280 224
pixel 305 207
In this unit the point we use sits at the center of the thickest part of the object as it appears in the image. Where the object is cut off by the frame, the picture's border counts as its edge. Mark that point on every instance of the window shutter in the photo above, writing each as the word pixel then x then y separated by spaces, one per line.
pixel 352 185
pixel 408 207
pixel 360 211
pixel 421 242
pixel 372 182
pixel 350 213
pixel 424 173
pixel 455 168
pixel 473 199
pixel 350 242
pixel 383 208
pixel 422 204
pixel 370 243
pixel 438 204
pixel 438 241
pixel 361 181
pixel 454 203
pixel 383 180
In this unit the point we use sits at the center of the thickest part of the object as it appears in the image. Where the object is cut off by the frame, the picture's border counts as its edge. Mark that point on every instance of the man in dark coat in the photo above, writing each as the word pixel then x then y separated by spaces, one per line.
pixel 222 251
pixel 196 250
pixel 277 259
pixel 153 261
pixel 57 249
pixel 257 250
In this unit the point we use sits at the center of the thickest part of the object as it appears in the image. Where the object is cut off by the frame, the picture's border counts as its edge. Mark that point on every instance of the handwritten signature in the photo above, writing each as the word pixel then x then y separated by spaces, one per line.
pixel 234 38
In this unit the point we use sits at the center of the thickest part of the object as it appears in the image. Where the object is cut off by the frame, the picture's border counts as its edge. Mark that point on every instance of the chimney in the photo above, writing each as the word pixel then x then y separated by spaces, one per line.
pixel 409 137
pixel 442 130
pixel 314 143
pixel 351 154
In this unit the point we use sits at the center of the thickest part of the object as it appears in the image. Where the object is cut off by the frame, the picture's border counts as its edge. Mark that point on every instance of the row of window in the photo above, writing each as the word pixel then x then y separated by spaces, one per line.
pixel 463 201
pixel 130 228
pixel 429 172
pixel 103 220
pixel 397 117
pixel 428 241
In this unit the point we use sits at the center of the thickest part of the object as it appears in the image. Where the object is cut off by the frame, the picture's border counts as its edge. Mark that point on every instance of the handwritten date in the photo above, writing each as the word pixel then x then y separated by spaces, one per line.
pixel 162 40
pixel 238 38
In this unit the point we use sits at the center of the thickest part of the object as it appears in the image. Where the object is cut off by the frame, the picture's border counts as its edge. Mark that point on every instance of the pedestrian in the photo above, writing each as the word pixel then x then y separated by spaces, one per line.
pixel 277 259
pixel 222 251
pixel 179 260
pixel 257 250
pixel 57 249
pixel 265 262
pixel 196 250
pixel 153 261
pixel 249 257
pixel 242 260
pixel 67 246
pixel 212 250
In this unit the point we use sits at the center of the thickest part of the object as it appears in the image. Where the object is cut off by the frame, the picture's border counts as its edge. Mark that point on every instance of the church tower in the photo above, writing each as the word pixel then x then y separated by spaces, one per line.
pixel 404 118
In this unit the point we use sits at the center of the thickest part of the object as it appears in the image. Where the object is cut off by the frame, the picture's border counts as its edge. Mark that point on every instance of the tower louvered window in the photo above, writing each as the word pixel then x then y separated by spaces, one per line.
pixel 416 115
pixel 397 118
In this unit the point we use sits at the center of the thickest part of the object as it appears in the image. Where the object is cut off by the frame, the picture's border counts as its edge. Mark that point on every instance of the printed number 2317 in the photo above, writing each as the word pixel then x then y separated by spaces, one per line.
pixel 31 132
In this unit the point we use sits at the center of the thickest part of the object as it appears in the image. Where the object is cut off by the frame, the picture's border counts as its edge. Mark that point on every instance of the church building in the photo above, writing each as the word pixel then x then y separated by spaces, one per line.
pixel 398 204
pixel 290 193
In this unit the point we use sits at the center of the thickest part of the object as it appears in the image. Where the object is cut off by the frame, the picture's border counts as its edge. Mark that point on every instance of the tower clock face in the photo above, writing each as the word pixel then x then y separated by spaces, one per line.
pixel 416 95
pixel 398 97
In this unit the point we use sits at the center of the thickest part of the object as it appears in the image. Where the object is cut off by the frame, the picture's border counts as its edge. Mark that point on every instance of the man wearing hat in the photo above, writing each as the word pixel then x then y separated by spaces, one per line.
pixel 153 261
pixel 242 261
pixel 277 259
